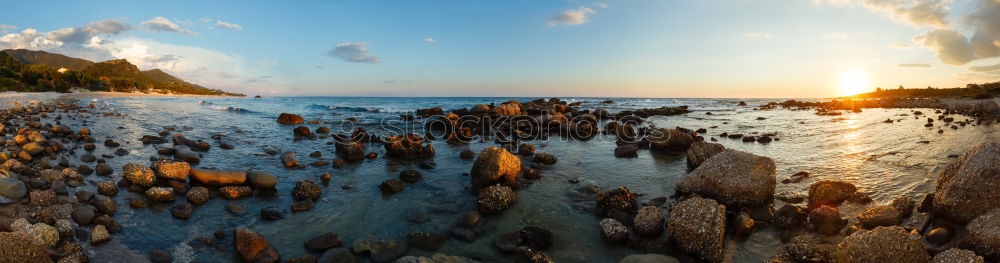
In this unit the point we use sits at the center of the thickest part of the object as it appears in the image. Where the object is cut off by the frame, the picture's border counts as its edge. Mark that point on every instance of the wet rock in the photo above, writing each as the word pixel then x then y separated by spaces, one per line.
pixel 957 255
pixel 302 131
pixel 697 226
pixel 614 231
pixel 306 190
pixel 527 255
pixel 669 139
pixel 235 208
pixel 880 216
pixel 104 169
pixel 182 211
pixel 791 198
pixel 627 151
pixel 272 213
pixel 649 258
pixel 789 216
pixel 409 176
pixel 171 170
pixel 966 187
pixel 138 201
pixel 391 186
pixel 40 233
pixel 733 178
pixel 107 188
pixel 426 241
pixel 288 118
pixel 508 242
pixel 324 242
pixel 337 255
pixel 984 235
pixel 826 220
pixel 18 247
pixel 495 198
pixel 253 247
pixel 288 159
pixel 304 205
pixel 83 215
pixel 471 218
pixel 160 194
pixel 526 150
pixel 701 151
pixel 536 237
pixel 12 190
pixel 743 224
pixel 796 178
pixel 380 250
pixel 218 177
pixel 882 244
pixel 939 236
pixel 494 165
pixel 235 192
pixel 829 192
pixel 186 155
pixel 649 221
pixel 409 146
pixel 467 154
pixel 620 199
pixel 463 234
pixel 198 195
pixel 105 204
pixel 99 235
pixel 138 174
pixel 904 205
pixel 545 158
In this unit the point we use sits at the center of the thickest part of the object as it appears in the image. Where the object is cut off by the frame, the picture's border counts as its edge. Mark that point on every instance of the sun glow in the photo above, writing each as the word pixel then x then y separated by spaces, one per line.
pixel 853 83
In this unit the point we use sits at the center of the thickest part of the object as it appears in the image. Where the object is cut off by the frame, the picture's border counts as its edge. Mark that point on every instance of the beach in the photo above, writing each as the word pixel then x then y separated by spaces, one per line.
pixel 336 178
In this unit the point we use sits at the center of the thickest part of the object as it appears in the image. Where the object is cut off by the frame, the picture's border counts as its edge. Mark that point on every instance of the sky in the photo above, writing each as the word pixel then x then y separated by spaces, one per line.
pixel 605 48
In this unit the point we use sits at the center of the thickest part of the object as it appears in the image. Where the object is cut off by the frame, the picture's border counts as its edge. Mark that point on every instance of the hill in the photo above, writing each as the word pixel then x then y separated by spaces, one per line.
pixel 975 91
pixel 49 59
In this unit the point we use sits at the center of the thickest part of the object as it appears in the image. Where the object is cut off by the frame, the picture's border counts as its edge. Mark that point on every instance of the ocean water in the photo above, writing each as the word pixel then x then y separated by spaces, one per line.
pixel 885 160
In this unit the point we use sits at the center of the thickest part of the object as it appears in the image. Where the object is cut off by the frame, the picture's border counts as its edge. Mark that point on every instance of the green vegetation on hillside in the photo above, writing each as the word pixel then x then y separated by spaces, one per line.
pixel 113 75
pixel 975 91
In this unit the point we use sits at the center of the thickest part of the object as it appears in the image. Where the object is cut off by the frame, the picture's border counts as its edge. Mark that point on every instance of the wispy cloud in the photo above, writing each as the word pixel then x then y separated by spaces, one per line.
pixel 756 35
pixel 914 65
pixel 989 68
pixel 356 52
pixel 161 24
pixel 223 24
pixel 6 28
pixel 899 45
pixel 430 40
pixel 572 17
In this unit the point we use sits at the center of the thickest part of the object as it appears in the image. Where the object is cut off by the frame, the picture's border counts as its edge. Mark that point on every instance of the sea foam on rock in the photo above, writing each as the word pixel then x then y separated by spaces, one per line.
pixel 733 178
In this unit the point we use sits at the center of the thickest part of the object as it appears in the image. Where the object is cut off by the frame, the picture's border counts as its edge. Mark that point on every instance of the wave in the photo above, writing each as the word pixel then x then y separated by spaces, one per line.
pixel 357 109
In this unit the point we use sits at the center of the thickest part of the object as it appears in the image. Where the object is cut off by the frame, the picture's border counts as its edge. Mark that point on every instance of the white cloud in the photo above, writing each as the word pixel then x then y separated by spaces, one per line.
pixel 932 13
pixel 353 52
pixel 572 17
pixel 222 24
pixel 161 24
pixel 950 46
pixel 953 47
pixel 430 40
pixel 756 35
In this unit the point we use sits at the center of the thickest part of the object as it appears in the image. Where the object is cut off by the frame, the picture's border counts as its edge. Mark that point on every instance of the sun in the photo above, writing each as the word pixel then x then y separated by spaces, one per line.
pixel 853 83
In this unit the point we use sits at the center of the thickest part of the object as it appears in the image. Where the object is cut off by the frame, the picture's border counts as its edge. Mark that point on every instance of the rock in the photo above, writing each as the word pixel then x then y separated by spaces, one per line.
pixel 882 244
pixel 160 194
pixel 18 247
pixel 536 237
pixel 105 204
pixel 966 187
pixel 649 221
pixel 698 226
pixel 302 131
pixel 304 205
pixel 829 192
pixel 649 258
pixel 627 151
pixel 186 155
pixel 103 169
pixel 12 190
pixel 880 216
pixel 826 220
pixel 614 231
pixel 526 150
pixel 40 233
pixel 508 242
pixel 338 163
pixel 796 178
pixel 495 198
pixel 218 177
pixel 791 198
pixel 531 174
pixel 337 255
pixel 426 241
pixel 138 174
pixel 904 205
pixel 467 154
pixel 306 190
pixel 939 236
pixel 480 108
pixel 545 158
pixel 620 199
pixel 138 201
pixel 171 170
pixel 983 234
pixel 288 159
pixel 743 224
pixel 789 216
pixel 107 188
pixel 391 186
pixel 182 211
pixel 409 176
pixel 733 178
pixel 324 242
pixel 33 148
pixel 272 213
pixel 253 247
pixel 235 208
pixel 527 255
pixel 288 118
pixel 380 250
pixel 668 139
pixel 701 151
pixel 198 195
pixel 957 255
pixel 235 192
pixel 494 165
pixel 508 109
pixel 463 234
pixel 409 146
pixel 83 215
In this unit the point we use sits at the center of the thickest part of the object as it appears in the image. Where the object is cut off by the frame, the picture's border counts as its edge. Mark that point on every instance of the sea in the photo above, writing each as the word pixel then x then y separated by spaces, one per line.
pixel 885 160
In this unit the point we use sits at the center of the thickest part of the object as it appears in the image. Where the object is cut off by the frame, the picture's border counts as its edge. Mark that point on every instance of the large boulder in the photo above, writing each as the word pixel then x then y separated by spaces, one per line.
pixel 882 244
pixel 218 177
pixel 18 247
pixel 733 178
pixel 139 175
pixel 409 146
pixel 494 165
pixel 701 151
pixel 288 118
pixel 966 187
pixel 669 139
pixel 984 234
pixel 495 198
pixel 698 226
pixel 956 255
pixel 253 247
pixel 829 192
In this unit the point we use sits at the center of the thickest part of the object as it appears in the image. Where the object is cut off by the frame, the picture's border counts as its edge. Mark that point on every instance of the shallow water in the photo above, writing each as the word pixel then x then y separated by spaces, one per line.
pixel 885 160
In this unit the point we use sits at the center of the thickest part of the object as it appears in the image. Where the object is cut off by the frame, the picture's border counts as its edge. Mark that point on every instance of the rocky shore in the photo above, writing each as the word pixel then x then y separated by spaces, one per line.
pixel 57 195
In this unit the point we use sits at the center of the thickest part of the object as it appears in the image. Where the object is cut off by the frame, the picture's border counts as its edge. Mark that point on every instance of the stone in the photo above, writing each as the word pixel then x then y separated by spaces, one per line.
pixel 288 159
pixel 337 255
pixel 733 178
pixel 18 247
pixel 138 174
pixel 790 216
pixel 467 154
pixel 983 235
pixel 426 241
pixel 171 170
pixel 380 250
pixel 536 237
pixel 743 224
pixel 829 192
pixel 160 194
pixel 528 255
pixel 182 211
pixel 304 205
pixel 218 177
pixel 306 190
pixel 904 205
pixel 494 165
pixel 40 233
pixel 253 247
pixel 957 255
pixel 324 242
pixel 649 258
pixel 620 199
pixel 42 197
pixel 409 176
pixel 939 236
pixel 508 242
pixel 614 231
pixel 288 118
pixel 83 215
pixel 198 195
pixel 235 192
pixel 826 220
pixel 880 216
pixel 495 199
pixel 302 131
pixel 409 147
pixel 627 151
pixel 701 151
pixel 105 204
pixel 107 188
pixel 698 226
pixel 525 149
pixel 12 190
pixel 966 186
pixel 882 244
pixel 544 158
pixel 669 139
pixel 649 221
pixel 186 155
pixel 272 213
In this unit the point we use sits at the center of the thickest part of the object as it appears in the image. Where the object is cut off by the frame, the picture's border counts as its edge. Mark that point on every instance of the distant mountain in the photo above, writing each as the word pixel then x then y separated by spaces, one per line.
pixel 49 59
pixel 159 75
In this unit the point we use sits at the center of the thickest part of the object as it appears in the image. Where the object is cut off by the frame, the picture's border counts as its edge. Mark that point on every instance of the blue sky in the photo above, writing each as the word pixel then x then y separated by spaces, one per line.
pixel 634 48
